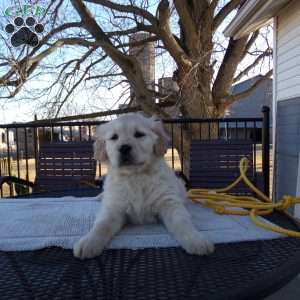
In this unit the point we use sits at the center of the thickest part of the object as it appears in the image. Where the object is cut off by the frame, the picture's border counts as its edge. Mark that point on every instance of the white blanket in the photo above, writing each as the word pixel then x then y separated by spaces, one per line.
pixel 29 224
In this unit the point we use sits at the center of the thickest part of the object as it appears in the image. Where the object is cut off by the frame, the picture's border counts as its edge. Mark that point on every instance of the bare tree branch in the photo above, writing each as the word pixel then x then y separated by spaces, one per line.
pixel 127 9
pixel 188 25
pixel 187 40
pixel 91 25
pixel 32 62
pixel 251 41
pixel 214 4
pixel 128 64
pixel 258 59
pixel 71 91
pixel 234 98
pixel 104 113
pixel 224 12
pixel 104 75
pixel 232 58
pixel 168 39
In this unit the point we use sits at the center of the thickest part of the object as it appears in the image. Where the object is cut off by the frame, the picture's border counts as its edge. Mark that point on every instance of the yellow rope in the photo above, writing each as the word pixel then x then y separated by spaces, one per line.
pixel 223 203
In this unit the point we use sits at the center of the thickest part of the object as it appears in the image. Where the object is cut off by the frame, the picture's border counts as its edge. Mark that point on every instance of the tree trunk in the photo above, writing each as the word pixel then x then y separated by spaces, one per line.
pixel 198 103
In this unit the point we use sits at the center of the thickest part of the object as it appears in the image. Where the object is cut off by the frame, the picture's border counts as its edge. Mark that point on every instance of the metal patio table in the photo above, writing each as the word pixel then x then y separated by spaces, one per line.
pixel 245 270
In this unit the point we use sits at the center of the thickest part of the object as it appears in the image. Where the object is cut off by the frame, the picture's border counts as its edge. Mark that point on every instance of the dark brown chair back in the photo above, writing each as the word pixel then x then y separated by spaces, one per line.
pixel 64 165
pixel 215 163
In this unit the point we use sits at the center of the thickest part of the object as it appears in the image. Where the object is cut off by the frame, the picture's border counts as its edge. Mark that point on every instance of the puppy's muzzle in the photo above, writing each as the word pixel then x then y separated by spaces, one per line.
pixel 125 154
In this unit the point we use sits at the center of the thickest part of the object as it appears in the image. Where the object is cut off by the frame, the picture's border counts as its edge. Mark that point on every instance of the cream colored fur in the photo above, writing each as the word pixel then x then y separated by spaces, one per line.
pixel 145 190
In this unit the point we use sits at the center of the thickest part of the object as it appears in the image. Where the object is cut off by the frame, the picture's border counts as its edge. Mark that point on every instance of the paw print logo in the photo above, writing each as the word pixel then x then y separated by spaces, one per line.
pixel 24 33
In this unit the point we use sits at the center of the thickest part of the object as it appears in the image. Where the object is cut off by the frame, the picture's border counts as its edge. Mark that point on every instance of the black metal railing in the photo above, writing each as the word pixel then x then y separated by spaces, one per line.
pixel 19 142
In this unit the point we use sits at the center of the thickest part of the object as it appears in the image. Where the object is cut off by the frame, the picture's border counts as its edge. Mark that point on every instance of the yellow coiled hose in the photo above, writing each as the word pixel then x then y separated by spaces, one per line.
pixel 223 203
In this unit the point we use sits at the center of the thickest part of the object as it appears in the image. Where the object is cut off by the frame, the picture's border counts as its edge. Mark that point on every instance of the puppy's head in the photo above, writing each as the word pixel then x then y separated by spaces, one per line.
pixel 130 142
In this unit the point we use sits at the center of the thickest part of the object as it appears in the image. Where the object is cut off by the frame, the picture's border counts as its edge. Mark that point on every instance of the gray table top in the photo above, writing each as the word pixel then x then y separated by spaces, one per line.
pixel 245 270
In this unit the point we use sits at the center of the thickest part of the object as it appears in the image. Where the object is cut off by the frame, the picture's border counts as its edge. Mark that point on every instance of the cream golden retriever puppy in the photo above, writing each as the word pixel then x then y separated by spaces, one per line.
pixel 139 186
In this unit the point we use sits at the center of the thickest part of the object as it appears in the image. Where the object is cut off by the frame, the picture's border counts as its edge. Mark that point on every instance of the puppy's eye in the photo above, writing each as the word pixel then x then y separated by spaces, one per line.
pixel 139 134
pixel 114 137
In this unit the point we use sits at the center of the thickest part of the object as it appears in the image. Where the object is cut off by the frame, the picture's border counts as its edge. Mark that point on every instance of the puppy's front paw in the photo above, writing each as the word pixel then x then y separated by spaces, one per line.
pixel 199 245
pixel 88 246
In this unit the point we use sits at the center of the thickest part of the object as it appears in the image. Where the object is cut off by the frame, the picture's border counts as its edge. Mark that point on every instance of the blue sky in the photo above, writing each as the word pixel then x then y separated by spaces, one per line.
pixel 20 110
pixel 84 100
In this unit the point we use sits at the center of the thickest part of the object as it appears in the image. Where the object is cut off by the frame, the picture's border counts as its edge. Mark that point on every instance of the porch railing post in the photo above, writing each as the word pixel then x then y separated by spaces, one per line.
pixel 266 149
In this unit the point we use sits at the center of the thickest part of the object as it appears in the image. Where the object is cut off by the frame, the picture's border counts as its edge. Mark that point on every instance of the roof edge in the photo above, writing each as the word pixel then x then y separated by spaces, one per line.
pixel 243 15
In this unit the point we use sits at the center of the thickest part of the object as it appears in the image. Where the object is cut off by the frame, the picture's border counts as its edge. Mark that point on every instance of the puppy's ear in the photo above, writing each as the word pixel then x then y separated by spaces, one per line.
pixel 100 150
pixel 161 146
pixel 99 145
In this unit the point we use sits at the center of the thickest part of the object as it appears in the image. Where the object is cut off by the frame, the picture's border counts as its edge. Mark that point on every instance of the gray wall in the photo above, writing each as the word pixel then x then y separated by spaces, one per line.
pixel 250 107
pixel 287 146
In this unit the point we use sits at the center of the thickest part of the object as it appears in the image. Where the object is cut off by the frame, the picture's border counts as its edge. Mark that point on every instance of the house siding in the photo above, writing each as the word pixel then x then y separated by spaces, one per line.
pixel 287 146
pixel 251 105
pixel 287 73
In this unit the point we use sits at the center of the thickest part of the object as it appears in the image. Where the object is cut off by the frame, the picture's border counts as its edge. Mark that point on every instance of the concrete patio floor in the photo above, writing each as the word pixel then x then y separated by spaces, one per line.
pixel 290 292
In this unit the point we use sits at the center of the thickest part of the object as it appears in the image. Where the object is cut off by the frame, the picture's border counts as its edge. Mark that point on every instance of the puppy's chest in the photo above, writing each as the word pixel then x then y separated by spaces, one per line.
pixel 141 204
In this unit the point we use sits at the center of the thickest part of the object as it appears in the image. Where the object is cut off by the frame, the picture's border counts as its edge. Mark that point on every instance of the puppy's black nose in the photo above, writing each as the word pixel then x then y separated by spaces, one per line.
pixel 125 149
